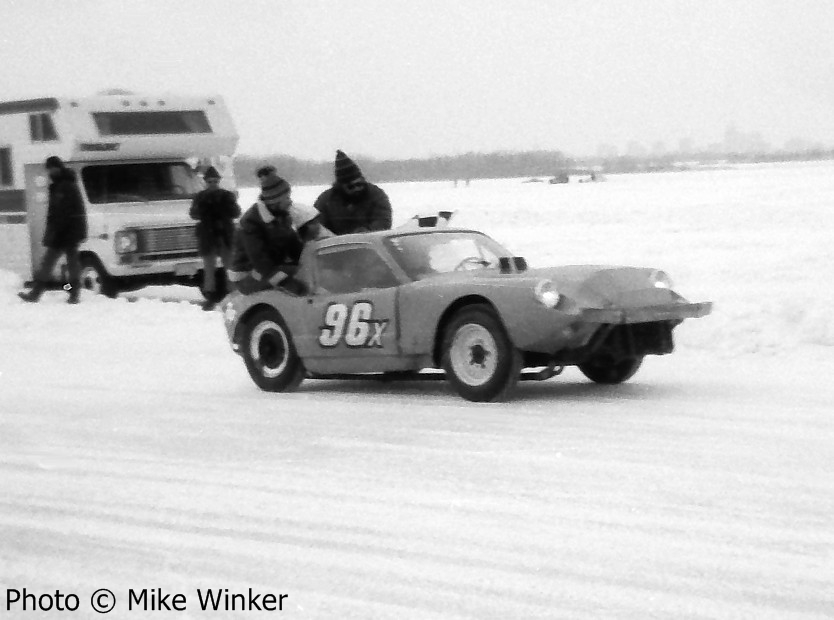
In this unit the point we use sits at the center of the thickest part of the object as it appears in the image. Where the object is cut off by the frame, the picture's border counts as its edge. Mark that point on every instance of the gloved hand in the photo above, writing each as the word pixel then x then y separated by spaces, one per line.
pixel 291 285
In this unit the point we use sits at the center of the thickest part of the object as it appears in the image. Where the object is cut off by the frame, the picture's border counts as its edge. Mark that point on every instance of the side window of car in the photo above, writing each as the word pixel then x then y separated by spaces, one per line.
pixel 352 270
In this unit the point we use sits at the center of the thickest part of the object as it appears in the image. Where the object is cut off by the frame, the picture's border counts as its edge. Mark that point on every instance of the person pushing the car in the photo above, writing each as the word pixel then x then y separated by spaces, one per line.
pixel 267 246
pixel 353 205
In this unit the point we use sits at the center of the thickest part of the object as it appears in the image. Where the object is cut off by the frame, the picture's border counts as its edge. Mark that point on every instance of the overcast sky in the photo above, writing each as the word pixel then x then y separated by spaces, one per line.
pixel 410 78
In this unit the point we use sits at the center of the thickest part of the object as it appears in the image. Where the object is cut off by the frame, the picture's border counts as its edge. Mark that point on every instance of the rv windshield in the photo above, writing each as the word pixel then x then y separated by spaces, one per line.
pixel 139 182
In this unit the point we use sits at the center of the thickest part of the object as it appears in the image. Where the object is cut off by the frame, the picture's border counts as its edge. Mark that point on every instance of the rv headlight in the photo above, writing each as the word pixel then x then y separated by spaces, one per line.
pixel 126 241
pixel 661 279
pixel 547 294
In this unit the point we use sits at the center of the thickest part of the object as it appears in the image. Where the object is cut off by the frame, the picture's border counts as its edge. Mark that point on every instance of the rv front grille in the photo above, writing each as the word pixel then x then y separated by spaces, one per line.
pixel 167 240
pixel 169 255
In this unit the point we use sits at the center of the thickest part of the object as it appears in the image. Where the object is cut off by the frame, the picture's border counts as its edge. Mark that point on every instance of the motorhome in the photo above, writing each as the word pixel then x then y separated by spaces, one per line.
pixel 138 161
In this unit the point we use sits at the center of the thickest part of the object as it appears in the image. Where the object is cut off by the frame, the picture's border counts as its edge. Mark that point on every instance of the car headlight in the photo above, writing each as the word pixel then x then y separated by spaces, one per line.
pixel 126 241
pixel 547 294
pixel 661 279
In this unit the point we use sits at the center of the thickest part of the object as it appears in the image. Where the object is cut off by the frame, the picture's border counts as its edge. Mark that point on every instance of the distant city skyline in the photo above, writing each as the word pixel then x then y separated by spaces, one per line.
pixel 735 140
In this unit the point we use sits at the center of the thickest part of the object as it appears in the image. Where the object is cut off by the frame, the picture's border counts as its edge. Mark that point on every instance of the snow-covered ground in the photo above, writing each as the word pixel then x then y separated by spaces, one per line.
pixel 135 452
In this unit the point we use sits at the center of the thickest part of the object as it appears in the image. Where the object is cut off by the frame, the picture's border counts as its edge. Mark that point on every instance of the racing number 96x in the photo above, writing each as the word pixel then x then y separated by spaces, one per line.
pixel 353 324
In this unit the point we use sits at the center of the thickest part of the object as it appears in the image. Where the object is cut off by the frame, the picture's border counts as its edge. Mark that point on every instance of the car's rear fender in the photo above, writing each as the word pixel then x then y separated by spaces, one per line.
pixel 245 318
pixel 289 314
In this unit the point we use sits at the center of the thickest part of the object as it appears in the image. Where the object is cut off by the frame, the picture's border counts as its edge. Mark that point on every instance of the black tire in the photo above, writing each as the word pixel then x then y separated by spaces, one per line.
pixel 480 360
pixel 609 371
pixel 269 353
pixel 94 277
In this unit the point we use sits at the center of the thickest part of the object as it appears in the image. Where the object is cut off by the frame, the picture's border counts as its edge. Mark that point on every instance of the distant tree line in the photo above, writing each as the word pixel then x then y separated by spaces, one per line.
pixel 442 168
pixel 502 164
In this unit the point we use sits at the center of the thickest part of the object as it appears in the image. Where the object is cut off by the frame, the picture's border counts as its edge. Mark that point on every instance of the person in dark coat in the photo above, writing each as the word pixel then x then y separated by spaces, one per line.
pixel 267 247
pixel 66 229
pixel 353 205
pixel 215 210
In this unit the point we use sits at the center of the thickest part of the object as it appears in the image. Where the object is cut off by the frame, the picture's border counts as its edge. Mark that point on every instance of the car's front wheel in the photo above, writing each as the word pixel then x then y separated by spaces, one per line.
pixel 609 371
pixel 480 361
pixel 270 354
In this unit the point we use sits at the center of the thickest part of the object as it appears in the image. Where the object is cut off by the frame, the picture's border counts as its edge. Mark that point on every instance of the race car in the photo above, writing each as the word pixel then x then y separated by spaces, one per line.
pixel 398 302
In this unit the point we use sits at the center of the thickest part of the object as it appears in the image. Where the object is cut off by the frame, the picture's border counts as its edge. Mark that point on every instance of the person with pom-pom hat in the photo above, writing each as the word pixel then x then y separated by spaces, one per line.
pixel 353 204
pixel 267 246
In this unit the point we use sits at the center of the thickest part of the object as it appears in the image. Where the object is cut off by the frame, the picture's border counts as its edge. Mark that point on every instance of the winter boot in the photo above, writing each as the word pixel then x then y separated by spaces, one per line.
pixel 74 294
pixel 33 295
pixel 212 299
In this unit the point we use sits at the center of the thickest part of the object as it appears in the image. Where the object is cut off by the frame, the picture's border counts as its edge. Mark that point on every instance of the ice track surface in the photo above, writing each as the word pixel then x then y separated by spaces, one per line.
pixel 135 452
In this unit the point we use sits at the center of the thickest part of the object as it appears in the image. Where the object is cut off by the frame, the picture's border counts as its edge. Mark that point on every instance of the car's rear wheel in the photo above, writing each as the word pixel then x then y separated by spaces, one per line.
pixel 270 354
pixel 480 361
pixel 609 371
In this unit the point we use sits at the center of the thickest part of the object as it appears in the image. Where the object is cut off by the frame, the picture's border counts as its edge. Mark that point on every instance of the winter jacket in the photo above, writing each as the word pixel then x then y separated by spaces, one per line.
pixel 266 246
pixel 66 218
pixel 215 211
pixel 343 214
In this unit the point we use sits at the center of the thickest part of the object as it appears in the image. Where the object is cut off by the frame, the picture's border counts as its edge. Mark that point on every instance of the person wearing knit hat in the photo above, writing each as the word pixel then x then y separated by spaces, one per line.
pixel 352 204
pixel 215 210
pixel 267 246
pixel 275 191
pixel 65 230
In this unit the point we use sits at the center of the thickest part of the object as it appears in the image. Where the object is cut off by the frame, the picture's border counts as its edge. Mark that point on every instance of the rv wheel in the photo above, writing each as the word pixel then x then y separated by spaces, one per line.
pixel 94 277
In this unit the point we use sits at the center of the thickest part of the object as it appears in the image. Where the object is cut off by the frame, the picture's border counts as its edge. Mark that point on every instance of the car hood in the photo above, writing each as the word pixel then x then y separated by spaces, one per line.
pixel 598 286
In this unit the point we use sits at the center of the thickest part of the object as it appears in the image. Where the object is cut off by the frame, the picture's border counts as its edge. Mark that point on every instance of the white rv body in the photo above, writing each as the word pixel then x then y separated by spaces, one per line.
pixel 138 161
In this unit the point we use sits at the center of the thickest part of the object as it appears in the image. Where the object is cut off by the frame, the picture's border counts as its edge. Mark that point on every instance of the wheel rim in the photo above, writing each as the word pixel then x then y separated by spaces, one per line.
pixel 473 354
pixel 91 279
pixel 269 348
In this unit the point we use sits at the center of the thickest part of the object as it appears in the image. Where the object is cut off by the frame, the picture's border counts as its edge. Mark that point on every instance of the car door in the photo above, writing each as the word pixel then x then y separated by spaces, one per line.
pixel 351 323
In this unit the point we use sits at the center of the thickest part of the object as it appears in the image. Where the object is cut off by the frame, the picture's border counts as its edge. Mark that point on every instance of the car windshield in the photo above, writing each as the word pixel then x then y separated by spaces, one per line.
pixel 427 254
pixel 139 182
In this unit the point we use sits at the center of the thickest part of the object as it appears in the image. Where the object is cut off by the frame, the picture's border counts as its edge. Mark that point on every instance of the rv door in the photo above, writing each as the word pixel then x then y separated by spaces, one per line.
pixel 37 202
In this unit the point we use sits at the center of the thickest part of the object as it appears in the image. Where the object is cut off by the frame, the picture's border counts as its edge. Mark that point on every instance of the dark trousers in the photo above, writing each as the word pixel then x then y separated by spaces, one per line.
pixel 50 259
pixel 224 252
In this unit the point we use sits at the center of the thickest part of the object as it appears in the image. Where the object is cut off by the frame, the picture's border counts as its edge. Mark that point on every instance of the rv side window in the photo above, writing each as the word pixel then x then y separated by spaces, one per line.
pixel 151 123
pixel 6 176
pixel 41 127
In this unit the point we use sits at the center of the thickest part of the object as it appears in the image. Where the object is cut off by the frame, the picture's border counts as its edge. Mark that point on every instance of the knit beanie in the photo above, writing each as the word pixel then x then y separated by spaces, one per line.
pixel 346 169
pixel 211 173
pixel 273 189
pixel 53 161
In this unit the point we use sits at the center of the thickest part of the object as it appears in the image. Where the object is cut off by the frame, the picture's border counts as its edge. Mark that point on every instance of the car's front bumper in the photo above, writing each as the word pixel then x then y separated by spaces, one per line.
pixel 575 328
pixel 646 314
